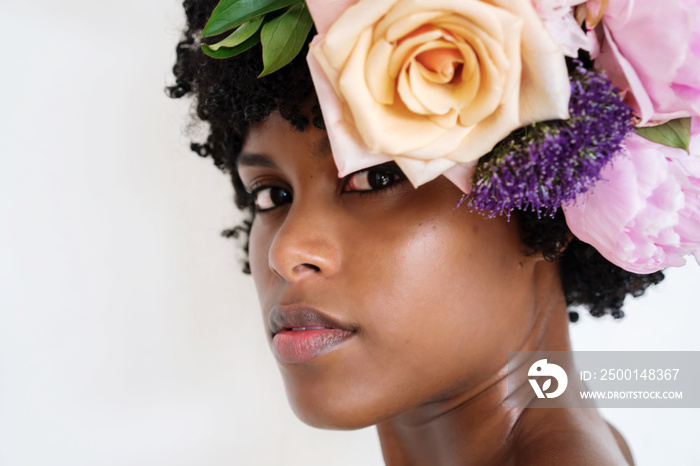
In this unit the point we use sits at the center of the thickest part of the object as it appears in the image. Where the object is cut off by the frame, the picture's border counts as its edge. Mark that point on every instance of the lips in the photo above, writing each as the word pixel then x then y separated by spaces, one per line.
pixel 302 333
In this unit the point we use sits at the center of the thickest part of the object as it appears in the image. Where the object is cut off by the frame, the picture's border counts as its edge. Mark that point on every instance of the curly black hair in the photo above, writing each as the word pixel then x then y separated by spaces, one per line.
pixel 230 98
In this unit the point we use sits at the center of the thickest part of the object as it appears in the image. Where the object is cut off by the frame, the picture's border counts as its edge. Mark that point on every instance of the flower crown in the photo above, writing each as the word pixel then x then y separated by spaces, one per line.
pixel 588 105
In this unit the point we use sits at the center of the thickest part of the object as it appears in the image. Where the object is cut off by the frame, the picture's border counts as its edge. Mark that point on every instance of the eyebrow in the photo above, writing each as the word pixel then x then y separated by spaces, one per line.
pixel 254 160
pixel 320 150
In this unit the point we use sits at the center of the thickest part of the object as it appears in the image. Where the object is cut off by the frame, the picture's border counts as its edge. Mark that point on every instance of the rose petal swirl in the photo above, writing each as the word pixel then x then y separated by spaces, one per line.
pixel 434 83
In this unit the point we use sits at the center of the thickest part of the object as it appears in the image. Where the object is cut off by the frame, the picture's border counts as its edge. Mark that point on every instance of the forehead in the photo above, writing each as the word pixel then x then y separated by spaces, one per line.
pixel 275 136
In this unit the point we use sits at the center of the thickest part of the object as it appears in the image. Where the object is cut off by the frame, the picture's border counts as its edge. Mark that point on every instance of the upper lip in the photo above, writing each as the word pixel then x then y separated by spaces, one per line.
pixel 285 317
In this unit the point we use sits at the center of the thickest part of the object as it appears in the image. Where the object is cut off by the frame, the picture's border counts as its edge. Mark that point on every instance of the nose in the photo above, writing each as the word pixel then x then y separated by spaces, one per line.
pixel 306 245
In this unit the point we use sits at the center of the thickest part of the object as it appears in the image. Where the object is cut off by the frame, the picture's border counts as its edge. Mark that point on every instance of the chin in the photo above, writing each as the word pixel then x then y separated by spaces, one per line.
pixel 333 408
pixel 332 414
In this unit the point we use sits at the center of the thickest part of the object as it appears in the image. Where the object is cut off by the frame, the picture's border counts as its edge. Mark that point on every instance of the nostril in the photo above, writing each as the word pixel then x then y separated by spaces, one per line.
pixel 312 267
pixel 302 269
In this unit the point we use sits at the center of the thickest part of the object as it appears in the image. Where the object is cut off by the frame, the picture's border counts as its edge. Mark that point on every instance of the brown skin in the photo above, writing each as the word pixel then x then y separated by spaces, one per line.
pixel 436 296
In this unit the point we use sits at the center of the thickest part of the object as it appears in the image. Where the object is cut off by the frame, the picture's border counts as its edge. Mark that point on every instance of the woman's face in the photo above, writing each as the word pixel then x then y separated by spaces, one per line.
pixel 378 298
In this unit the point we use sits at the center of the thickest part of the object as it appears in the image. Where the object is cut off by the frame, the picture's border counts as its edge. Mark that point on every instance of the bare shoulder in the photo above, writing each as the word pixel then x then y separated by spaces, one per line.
pixel 572 442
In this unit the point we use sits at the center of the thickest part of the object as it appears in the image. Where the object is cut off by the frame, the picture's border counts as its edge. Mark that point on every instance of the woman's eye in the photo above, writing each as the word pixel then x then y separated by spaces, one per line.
pixel 270 197
pixel 374 178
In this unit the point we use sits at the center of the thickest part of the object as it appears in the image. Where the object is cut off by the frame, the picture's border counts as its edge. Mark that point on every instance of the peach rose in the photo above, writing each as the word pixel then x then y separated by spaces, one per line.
pixel 438 82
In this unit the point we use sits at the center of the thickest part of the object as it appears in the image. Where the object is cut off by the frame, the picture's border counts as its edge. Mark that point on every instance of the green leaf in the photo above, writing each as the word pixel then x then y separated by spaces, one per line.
pixel 283 37
pixel 228 52
pixel 675 133
pixel 231 13
pixel 240 35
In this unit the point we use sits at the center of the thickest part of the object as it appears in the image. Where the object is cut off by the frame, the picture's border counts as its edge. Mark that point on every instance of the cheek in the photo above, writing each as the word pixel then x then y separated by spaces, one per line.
pixel 449 299
pixel 258 246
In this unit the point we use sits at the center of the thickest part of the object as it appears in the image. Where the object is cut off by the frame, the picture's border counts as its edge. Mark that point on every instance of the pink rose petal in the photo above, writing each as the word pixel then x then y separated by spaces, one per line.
pixel 349 152
pixel 325 12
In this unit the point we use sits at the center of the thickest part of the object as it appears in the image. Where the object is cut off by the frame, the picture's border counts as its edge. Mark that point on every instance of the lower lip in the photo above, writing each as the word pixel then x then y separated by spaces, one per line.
pixel 300 346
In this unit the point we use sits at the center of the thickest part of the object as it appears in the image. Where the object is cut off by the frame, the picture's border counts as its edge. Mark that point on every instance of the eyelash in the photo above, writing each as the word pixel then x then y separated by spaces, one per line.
pixel 256 189
pixel 390 169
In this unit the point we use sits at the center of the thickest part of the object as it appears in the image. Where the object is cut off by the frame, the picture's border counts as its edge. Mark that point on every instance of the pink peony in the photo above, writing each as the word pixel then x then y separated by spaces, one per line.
pixel 650 49
pixel 644 214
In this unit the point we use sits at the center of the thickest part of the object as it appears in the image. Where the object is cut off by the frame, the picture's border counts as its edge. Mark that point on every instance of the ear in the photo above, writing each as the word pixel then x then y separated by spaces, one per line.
pixel 561 247
pixel 556 251
pixel 543 237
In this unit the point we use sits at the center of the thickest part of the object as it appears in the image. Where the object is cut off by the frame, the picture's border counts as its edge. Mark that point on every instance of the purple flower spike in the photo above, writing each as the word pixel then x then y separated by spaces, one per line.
pixel 544 165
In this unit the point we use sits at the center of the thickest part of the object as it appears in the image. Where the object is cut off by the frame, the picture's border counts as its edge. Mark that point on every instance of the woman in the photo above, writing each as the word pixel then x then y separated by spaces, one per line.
pixel 386 305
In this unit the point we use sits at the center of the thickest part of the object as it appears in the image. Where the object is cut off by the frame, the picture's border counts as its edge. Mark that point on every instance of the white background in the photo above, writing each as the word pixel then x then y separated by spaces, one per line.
pixel 128 336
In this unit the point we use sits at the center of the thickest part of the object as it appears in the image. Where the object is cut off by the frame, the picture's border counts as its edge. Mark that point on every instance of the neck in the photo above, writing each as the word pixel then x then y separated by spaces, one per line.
pixel 475 425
